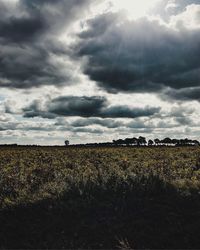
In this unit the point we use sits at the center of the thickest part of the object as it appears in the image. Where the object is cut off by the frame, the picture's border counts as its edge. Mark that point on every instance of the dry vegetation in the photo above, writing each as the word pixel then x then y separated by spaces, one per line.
pixel 100 197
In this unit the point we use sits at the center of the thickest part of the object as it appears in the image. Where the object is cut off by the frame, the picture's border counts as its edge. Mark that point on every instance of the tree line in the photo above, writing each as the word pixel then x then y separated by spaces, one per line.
pixel 142 141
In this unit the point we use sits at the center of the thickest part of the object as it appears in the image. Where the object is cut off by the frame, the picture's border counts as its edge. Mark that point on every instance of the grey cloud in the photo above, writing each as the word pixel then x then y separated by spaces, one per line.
pixel 184 94
pixel 180 111
pixel 125 57
pixel 181 116
pixel 95 107
pixel 83 106
pixel 35 110
pixel 181 5
pixel 99 25
pixel 24 126
pixel 184 121
pixel 9 107
pixel 164 10
pixel 109 123
pixel 87 130
pixel 66 106
pixel 127 112
pixel 139 124
pixel 77 106
pixel 136 123
pixel 42 114
pixel 20 30
pixel 39 19
pixel 29 44
pixel 7 126
pixel 29 66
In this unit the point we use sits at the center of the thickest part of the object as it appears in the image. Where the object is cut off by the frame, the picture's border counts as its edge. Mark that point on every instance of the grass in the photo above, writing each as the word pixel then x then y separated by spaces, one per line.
pixel 55 198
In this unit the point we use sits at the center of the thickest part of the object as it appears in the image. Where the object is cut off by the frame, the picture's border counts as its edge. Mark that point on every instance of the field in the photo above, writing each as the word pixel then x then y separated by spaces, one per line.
pixel 125 197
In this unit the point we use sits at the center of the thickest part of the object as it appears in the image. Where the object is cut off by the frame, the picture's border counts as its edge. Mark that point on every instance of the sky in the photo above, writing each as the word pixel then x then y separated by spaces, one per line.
pixel 98 70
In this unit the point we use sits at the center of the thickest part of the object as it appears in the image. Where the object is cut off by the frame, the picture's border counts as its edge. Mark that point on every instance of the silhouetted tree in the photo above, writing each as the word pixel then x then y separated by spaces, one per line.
pixel 157 141
pixel 175 142
pixel 128 141
pixel 66 143
pixel 142 140
pixel 119 142
pixel 186 141
pixel 196 143
pixel 167 141
pixel 150 143
pixel 134 141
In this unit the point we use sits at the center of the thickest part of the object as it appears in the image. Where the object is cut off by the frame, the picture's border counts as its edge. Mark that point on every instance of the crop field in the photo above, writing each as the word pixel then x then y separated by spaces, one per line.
pixel 100 198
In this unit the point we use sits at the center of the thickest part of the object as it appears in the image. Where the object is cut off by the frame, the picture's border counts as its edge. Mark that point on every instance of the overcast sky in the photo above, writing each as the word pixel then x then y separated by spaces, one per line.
pixel 98 70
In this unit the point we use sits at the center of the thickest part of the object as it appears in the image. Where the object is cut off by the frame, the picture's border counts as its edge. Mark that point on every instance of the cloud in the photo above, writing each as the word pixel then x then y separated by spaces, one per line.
pixel 184 94
pixel 190 18
pixel 184 121
pixel 83 106
pixel 167 8
pixel 77 106
pixel 109 123
pixel 32 55
pixel 88 130
pixel 127 112
pixel 35 110
pixel 124 57
pixel 35 19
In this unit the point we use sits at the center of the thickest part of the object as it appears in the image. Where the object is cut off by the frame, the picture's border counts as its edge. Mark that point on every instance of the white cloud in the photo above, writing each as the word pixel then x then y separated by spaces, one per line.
pixel 189 19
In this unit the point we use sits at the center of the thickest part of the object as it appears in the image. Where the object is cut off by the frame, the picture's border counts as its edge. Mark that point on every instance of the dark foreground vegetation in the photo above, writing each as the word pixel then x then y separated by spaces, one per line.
pixel 53 198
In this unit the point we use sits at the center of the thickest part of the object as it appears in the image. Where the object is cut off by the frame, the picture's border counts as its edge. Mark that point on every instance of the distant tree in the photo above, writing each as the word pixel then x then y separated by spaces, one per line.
pixel 142 140
pixel 119 142
pixel 128 141
pixel 150 143
pixel 167 141
pixel 181 142
pixel 114 142
pixel 175 142
pixel 66 143
pixel 134 141
pixel 186 141
pixel 157 141
pixel 196 143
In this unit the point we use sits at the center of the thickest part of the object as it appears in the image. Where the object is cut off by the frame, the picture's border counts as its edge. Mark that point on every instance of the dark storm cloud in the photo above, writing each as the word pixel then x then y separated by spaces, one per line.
pixel 67 106
pixel 127 112
pixel 42 114
pixel 29 44
pixel 139 56
pixel 185 94
pixel 34 110
pixel 38 18
pixel 95 107
pixel 77 106
pixel 20 30
pixel 28 66
pixel 84 106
